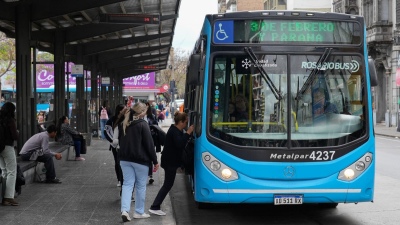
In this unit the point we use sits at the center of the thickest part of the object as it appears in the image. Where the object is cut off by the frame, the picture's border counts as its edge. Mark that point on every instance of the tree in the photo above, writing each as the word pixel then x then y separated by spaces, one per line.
pixel 7 57
pixel 176 70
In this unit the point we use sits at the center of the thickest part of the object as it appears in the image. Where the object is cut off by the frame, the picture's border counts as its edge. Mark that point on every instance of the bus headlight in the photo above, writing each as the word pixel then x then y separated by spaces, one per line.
pixel 215 165
pixel 349 173
pixel 226 173
pixel 218 168
pixel 357 168
pixel 360 166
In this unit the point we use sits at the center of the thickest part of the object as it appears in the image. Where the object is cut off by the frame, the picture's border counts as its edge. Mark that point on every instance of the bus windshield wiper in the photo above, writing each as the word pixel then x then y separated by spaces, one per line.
pixel 314 72
pixel 264 74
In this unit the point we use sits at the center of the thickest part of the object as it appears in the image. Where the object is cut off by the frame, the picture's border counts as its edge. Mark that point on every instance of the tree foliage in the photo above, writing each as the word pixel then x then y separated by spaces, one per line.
pixel 176 70
pixel 7 56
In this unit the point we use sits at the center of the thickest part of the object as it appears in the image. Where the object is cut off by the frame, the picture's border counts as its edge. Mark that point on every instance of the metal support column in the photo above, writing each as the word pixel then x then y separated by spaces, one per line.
pixel 24 81
pixel 59 76
pixel 94 104
pixel 80 106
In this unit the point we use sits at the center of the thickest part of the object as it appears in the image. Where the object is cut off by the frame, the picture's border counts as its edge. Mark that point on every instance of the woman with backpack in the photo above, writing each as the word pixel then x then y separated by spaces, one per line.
pixel 8 161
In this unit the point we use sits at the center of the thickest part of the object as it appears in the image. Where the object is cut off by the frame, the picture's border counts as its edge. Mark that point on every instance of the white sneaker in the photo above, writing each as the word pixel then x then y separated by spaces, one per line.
pixel 140 216
pixel 119 184
pixel 157 212
pixel 125 216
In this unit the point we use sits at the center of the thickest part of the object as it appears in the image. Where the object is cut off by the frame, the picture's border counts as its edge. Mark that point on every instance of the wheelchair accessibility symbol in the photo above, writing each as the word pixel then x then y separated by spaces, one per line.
pixel 221 35
pixel 223 32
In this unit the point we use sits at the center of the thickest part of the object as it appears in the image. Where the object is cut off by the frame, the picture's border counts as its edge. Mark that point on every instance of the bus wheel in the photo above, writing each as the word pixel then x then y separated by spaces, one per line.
pixel 328 205
pixel 203 205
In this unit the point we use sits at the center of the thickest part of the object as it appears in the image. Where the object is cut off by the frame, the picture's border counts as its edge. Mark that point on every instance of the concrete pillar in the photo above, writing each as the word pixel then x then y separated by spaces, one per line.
pixel 26 108
pixel 60 102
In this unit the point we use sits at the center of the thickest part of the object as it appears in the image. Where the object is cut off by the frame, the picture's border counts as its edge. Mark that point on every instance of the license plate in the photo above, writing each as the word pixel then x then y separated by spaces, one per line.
pixel 288 199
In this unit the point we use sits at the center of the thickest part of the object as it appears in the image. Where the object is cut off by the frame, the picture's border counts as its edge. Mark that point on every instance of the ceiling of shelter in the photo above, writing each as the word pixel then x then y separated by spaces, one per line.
pixel 123 49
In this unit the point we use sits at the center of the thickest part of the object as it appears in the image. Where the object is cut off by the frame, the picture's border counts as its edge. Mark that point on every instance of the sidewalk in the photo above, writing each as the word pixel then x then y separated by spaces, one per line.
pixel 88 194
pixel 381 129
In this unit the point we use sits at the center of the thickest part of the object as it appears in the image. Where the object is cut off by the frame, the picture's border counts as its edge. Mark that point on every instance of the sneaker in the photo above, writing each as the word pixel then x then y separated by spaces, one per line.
pixel 140 216
pixel 157 212
pixel 125 216
pixel 9 202
pixel 80 159
pixel 151 180
pixel 119 184
pixel 54 181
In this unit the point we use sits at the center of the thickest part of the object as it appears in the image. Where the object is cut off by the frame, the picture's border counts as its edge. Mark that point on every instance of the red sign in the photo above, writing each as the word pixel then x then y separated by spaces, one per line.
pixel 164 88
pixel 398 77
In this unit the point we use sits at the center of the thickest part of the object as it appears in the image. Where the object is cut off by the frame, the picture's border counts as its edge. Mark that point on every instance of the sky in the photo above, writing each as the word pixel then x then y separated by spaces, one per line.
pixel 190 21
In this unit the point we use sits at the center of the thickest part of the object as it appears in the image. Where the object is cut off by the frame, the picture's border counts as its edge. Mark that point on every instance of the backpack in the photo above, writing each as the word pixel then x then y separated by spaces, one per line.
pixel 103 114
pixel 158 133
pixel 3 134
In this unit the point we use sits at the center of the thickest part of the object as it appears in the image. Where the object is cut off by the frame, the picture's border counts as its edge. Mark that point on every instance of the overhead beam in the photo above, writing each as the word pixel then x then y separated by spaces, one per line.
pixel 101 46
pixel 43 9
pixel 138 66
pixel 119 54
pixel 79 32
pixel 134 60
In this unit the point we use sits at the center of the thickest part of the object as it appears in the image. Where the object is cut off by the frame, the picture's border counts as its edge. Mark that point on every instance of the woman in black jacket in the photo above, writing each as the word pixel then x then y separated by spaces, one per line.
pixel 135 153
pixel 171 157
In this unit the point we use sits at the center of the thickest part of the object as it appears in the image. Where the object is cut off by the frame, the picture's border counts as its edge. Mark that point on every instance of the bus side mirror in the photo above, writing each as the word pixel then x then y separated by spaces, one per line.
pixel 193 77
pixel 372 72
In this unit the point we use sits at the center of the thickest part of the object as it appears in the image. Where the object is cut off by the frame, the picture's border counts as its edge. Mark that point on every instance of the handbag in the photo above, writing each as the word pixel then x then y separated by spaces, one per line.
pixel 77 137
pixel 188 157
pixel 83 146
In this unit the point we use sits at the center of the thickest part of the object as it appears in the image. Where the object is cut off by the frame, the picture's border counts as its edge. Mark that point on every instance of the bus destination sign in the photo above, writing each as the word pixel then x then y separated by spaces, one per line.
pixel 286 31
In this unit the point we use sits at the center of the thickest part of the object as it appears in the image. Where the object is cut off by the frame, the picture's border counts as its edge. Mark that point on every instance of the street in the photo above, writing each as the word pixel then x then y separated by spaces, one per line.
pixel 384 210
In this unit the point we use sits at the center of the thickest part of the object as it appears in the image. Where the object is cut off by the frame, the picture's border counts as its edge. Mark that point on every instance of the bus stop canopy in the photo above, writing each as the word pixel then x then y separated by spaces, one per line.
pixel 127 37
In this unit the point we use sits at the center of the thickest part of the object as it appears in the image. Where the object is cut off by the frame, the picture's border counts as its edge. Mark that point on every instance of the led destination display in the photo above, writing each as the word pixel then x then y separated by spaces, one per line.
pixel 286 31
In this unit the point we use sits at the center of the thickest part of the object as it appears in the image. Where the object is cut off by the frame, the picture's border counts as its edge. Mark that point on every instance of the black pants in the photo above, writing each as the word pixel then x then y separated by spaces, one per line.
pixel 170 174
pixel 118 169
pixel 47 159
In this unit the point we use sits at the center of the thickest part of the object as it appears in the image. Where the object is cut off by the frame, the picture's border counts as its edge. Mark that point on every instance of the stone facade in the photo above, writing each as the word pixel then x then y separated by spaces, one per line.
pixel 382 35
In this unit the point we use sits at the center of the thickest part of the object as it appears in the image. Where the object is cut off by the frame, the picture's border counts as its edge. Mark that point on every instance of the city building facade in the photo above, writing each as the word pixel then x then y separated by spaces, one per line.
pixel 383 38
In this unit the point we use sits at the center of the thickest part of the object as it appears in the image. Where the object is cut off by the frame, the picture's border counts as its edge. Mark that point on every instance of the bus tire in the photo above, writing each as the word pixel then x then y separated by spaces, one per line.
pixel 328 205
pixel 203 205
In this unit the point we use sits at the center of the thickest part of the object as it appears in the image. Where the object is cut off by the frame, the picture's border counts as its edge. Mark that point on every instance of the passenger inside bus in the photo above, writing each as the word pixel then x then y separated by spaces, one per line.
pixel 241 114
pixel 322 105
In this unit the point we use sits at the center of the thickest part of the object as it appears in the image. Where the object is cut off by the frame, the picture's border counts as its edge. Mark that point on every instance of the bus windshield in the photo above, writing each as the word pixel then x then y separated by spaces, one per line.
pixel 300 99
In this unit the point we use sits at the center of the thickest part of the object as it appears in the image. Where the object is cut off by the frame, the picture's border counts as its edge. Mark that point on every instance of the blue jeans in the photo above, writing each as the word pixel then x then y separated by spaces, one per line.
pixel 102 125
pixel 8 164
pixel 134 175
pixel 77 145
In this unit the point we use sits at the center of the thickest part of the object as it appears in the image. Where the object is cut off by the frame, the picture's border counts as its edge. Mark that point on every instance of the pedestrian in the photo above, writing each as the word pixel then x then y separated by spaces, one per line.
pixel 37 149
pixel 68 136
pixel 135 153
pixel 109 133
pixel 8 161
pixel 104 113
pixel 171 157
pixel 152 121
pixel 167 111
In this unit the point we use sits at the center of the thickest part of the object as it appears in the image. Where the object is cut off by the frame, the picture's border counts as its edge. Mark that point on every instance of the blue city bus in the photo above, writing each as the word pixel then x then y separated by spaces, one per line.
pixel 44 95
pixel 282 107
